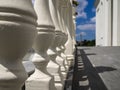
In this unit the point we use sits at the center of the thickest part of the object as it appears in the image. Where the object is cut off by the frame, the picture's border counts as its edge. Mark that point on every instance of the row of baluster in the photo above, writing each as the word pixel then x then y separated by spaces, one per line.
pixel 37 39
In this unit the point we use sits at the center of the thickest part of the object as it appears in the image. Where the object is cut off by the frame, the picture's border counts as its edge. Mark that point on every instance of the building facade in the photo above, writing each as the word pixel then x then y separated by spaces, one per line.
pixel 107 22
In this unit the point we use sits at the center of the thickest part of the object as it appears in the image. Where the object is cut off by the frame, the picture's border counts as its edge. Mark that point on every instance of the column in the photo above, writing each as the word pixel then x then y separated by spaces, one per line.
pixel 41 79
pixel 17 33
pixel 108 24
pixel 116 23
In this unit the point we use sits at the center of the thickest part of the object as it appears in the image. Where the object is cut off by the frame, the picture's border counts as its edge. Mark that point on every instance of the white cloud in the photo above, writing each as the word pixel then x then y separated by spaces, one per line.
pixel 89 25
pixel 81 9
pixel 93 19
pixel 86 27
pixel 82 15
pixel 82 5
pixel 81 33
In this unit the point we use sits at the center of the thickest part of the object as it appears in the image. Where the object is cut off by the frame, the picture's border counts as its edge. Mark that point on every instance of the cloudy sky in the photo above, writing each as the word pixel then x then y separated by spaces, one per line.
pixel 85 20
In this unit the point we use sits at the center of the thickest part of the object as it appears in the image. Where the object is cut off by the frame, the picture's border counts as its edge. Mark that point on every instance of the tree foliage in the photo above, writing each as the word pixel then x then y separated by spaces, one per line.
pixel 86 43
pixel 75 3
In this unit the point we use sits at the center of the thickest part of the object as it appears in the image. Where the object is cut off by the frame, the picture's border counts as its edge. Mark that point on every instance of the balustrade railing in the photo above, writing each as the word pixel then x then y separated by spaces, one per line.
pixel 46 29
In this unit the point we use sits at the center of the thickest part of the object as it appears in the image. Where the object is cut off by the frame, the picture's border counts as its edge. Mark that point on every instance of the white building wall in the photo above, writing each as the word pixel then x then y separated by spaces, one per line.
pixel 108 23
pixel 103 23
pixel 116 22
pixel 100 24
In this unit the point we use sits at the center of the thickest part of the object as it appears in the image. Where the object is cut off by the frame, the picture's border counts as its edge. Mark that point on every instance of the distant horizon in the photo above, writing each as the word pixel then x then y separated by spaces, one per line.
pixel 86 39
pixel 86 20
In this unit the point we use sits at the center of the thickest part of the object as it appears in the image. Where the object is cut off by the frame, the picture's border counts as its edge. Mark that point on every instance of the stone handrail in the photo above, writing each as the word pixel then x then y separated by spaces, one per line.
pixel 46 29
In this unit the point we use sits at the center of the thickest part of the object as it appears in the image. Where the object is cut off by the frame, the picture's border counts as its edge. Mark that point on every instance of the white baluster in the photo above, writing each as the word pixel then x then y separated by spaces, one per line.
pixel 74 30
pixel 59 58
pixel 53 67
pixel 65 33
pixel 69 44
pixel 17 33
pixel 73 26
pixel 41 79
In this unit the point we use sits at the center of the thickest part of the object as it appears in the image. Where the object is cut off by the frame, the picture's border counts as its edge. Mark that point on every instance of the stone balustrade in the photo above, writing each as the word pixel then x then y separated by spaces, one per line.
pixel 37 39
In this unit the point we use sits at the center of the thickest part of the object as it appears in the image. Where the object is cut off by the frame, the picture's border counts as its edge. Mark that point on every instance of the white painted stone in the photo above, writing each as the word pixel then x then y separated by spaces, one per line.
pixel 53 66
pixel 103 18
pixel 65 34
pixel 41 79
pixel 74 26
pixel 54 69
pixel 107 16
pixel 59 59
pixel 69 44
pixel 116 23
pixel 17 32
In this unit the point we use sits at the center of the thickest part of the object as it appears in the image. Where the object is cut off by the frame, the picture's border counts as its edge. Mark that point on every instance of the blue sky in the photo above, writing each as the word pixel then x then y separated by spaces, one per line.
pixel 85 20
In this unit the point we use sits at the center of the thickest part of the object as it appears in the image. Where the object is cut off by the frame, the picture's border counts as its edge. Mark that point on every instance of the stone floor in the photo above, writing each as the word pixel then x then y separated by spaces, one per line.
pixel 94 68
pixel 97 68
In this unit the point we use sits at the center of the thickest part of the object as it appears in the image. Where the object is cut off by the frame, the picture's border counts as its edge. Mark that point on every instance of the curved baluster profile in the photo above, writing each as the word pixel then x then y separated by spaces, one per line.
pixel 17 33
pixel 41 79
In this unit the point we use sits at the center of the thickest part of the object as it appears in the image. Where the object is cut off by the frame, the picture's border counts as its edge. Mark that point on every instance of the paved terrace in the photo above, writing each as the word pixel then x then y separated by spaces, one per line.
pixel 97 68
